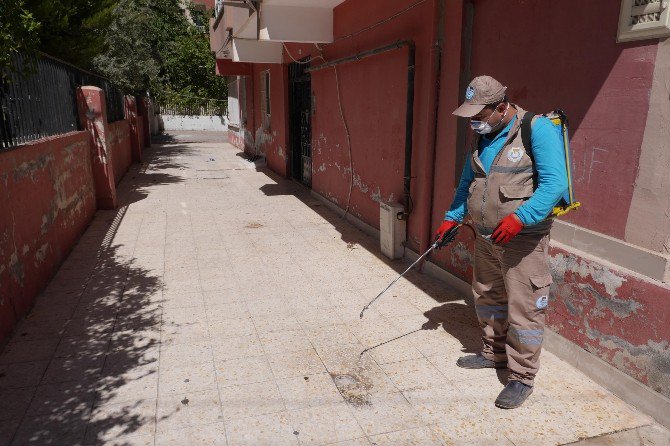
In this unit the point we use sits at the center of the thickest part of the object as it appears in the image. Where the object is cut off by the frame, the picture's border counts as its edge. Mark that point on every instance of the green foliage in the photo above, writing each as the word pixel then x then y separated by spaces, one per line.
pixel 190 68
pixel 151 46
pixel 18 32
pixel 129 60
pixel 72 30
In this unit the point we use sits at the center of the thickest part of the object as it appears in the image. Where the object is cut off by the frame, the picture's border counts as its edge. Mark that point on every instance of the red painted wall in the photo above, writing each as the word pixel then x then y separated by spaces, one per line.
pixel 273 140
pixel 373 95
pixel 120 147
pixel 47 200
pixel 554 58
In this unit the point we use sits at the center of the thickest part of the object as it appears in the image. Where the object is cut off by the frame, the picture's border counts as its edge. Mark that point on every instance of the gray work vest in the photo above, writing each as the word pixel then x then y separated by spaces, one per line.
pixel 510 182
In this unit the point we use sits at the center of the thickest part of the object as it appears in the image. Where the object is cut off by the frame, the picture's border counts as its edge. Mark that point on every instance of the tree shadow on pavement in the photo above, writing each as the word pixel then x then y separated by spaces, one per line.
pixel 82 367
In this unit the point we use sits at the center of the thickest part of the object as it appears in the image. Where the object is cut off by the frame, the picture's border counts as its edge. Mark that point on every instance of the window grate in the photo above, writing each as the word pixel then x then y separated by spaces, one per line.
pixel 643 19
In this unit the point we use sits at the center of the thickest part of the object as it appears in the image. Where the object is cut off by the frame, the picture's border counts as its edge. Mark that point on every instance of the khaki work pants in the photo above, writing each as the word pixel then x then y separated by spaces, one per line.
pixel 511 285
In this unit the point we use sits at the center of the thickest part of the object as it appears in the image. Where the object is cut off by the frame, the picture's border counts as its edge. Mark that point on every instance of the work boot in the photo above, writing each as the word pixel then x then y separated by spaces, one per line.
pixel 478 362
pixel 513 395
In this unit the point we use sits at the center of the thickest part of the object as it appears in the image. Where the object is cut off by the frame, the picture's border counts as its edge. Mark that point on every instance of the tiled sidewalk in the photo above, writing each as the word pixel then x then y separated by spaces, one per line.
pixel 220 305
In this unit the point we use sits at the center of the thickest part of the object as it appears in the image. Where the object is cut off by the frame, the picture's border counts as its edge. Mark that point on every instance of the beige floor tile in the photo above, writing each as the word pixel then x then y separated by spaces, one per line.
pixel 272 429
pixel 191 333
pixel 131 440
pixel 220 297
pixel 176 316
pixel 270 307
pixel 188 410
pixel 233 348
pixel 80 369
pixel 331 335
pixel 292 364
pixel 112 421
pixel 232 328
pixel 28 351
pixel 414 374
pixel 204 435
pixel 315 317
pixel 383 413
pixel 420 436
pixel 130 385
pixel 285 341
pixel 47 429
pixel 308 391
pixel 189 377
pixel 53 399
pixel 15 402
pixel 468 432
pixel 236 372
pixel 179 354
pixel 394 350
pixel 269 324
pixel 250 400
pixel 325 424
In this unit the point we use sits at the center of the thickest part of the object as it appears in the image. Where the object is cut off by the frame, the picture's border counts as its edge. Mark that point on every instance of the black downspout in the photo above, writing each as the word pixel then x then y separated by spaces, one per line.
pixel 409 115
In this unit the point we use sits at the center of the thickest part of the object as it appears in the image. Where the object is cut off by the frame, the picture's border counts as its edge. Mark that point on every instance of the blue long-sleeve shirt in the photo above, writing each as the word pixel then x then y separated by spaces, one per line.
pixel 548 156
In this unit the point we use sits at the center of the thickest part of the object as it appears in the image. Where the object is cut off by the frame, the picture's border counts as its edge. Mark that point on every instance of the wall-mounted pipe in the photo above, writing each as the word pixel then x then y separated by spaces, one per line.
pixel 409 115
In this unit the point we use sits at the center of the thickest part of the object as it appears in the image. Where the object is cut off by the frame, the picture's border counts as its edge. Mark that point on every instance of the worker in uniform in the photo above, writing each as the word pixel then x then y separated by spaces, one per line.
pixel 509 194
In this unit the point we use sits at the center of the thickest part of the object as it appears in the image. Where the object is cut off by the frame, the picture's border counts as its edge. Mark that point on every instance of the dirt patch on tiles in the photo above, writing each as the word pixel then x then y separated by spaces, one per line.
pixel 354 388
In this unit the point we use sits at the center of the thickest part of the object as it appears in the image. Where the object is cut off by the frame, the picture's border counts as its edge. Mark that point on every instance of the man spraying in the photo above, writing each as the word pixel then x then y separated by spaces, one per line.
pixel 509 193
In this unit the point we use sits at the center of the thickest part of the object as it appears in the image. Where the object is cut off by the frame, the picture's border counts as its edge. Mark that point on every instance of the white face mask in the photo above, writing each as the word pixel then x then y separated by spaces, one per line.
pixel 484 127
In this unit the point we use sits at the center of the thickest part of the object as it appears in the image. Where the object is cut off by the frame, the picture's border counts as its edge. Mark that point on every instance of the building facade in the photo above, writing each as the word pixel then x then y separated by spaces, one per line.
pixel 380 106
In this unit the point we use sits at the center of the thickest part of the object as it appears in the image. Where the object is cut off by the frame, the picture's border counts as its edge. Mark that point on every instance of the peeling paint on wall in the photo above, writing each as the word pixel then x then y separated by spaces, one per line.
pixel 376 195
pixel 40 254
pixel 358 183
pixel 604 276
pixel 461 257
pixel 30 168
pixel 651 360
pixel 262 138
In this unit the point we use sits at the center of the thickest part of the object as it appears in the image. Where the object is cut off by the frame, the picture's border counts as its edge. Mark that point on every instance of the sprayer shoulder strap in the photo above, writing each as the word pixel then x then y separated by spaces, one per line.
pixel 526 123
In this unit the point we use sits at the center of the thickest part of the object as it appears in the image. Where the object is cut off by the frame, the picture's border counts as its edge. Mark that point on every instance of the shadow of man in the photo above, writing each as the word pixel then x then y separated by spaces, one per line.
pixel 460 321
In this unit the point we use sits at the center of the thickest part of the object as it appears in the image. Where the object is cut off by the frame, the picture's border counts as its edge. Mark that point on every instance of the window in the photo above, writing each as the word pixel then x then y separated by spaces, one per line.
pixel 265 97
pixel 234 102
pixel 643 19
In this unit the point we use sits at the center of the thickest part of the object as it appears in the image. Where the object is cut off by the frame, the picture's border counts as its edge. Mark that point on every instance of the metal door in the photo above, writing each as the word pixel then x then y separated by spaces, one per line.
pixel 300 122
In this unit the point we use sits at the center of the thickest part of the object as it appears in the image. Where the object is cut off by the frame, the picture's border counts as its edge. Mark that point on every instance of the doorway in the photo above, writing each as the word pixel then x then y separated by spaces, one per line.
pixel 300 122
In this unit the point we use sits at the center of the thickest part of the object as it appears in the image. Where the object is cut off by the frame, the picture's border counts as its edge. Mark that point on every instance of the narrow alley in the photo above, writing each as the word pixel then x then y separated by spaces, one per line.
pixel 220 305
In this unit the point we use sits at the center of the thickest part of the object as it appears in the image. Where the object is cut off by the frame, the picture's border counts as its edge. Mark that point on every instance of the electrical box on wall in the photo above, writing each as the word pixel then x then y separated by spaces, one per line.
pixel 392 229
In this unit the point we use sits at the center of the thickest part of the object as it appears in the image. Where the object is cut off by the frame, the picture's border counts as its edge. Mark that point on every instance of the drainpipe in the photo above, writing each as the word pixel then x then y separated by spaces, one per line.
pixel 426 238
pixel 409 115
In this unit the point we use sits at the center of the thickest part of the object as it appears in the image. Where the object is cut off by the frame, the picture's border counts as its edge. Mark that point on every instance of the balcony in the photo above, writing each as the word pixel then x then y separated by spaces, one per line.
pixel 254 31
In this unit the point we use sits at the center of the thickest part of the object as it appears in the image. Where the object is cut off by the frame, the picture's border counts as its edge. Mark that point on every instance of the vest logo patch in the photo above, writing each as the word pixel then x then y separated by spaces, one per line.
pixel 542 302
pixel 515 154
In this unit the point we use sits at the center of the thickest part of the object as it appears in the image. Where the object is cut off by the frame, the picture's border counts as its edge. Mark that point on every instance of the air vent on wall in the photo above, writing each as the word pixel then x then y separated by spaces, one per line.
pixel 643 19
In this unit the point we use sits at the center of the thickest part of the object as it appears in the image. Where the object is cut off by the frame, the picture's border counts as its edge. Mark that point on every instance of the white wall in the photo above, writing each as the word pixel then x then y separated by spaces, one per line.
pixel 203 123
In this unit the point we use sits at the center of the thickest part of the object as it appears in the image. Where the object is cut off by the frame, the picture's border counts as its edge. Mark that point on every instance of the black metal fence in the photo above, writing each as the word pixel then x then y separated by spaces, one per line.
pixel 178 105
pixel 39 99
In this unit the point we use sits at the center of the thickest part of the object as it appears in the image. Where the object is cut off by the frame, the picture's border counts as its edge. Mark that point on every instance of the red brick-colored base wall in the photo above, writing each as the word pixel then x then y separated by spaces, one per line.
pixel 47 200
pixel 621 318
pixel 120 146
